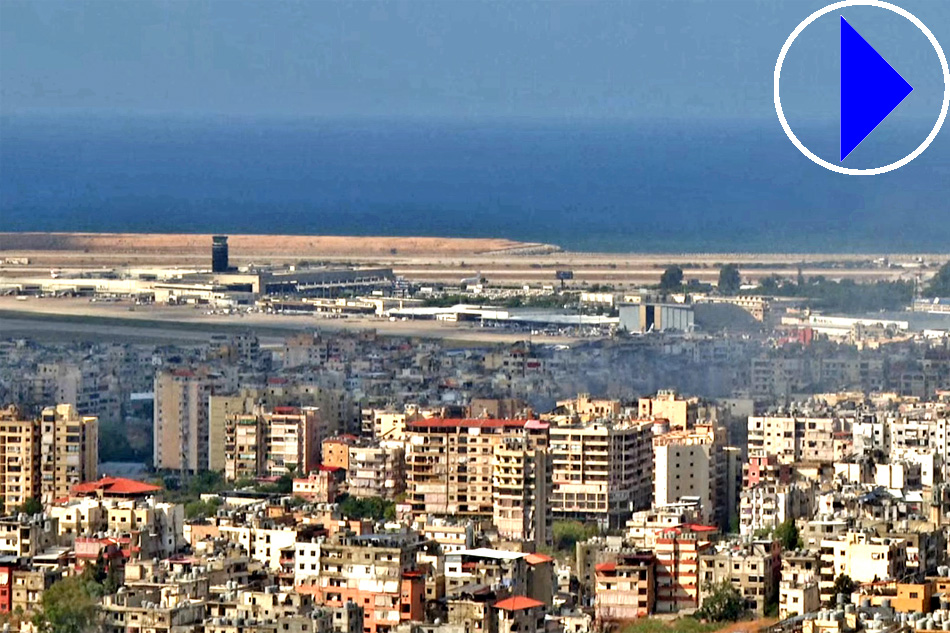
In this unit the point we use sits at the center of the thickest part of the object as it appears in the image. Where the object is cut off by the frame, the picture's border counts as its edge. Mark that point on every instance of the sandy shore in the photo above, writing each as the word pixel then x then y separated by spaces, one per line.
pixel 447 260
pixel 144 246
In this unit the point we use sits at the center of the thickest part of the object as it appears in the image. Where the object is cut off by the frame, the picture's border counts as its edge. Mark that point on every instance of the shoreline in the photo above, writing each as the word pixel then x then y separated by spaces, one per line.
pixel 259 244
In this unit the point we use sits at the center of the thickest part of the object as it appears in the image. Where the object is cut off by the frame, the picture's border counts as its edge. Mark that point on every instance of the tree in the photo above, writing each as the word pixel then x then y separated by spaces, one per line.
pixel 568 533
pixel 375 508
pixel 66 607
pixel 843 584
pixel 672 278
pixel 722 603
pixel 939 285
pixel 32 506
pixel 788 535
pixel 729 279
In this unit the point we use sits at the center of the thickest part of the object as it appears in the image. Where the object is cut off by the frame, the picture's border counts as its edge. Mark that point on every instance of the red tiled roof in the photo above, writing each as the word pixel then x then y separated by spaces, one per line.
pixel 467 423
pixel 286 410
pixel 696 527
pixel 115 486
pixel 518 603
pixel 537 559
pixel 605 567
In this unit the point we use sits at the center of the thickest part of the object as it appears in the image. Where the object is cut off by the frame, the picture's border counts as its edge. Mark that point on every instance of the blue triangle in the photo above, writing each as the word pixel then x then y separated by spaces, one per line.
pixel 870 89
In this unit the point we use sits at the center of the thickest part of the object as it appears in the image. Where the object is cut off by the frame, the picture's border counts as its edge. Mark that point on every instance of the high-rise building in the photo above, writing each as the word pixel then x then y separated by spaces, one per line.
pixel 692 465
pixel 271 443
pixel 482 469
pixel 69 450
pixel 44 458
pixel 602 471
pixel 181 426
pixel 19 458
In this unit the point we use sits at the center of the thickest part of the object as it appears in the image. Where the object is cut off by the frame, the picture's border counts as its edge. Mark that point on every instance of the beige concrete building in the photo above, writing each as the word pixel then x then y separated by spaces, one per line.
pixel 690 465
pixel 793 439
pixel 682 413
pixel 798 589
pixel 753 569
pixel 459 467
pixel 586 408
pixel 602 471
pixel 181 418
pixel 271 443
pixel 377 471
pixel 522 487
pixel 69 451
pixel 19 451
pixel 45 458
pixel 863 558
pixel 334 408
pixel 625 588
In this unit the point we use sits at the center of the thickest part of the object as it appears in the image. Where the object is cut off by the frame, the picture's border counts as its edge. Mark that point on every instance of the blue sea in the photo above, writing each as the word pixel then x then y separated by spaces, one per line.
pixel 623 186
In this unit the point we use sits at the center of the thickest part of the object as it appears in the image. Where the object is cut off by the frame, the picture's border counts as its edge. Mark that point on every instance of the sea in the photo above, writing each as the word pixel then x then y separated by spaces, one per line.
pixel 615 186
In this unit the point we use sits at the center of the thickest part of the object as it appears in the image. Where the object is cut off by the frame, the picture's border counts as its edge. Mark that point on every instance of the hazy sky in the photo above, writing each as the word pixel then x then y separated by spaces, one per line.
pixel 595 59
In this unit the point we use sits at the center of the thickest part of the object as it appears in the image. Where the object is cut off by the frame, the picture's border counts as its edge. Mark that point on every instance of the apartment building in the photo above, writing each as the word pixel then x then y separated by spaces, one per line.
pixel 334 409
pixel 90 386
pixel 520 614
pixel 602 471
pixel 483 566
pixel 19 459
pixel 677 566
pixel 320 486
pixel 862 557
pixel 69 450
pixel 645 526
pixel 459 467
pixel 766 506
pixel 793 439
pixel 798 588
pixel 376 572
pixel 691 464
pixel 682 413
pixel 377 470
pixel 271 443
pixel 44 458
pixel 521 483
pixel 625 587
pixel 261 540
pixel 586 409
pixel 754 569
pixel 181 418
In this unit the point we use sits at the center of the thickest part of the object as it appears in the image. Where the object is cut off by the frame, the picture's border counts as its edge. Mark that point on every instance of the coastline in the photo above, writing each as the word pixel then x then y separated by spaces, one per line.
pixel 431 259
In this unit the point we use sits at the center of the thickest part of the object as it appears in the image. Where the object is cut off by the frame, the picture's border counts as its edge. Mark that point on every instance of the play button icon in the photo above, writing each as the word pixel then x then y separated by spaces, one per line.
pixel 870 89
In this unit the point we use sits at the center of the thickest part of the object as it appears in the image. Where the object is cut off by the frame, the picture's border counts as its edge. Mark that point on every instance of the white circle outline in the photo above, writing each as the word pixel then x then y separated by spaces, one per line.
pixel 946 84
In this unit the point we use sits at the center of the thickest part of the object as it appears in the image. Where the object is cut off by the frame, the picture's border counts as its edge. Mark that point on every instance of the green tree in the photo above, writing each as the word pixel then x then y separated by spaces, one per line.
pixel 788 535
pixel 568 533
pixel 66 607
pixel 843 584
pixel 729 279
pixel 375 508
pixel 32 506
pixel 723 603
pixel 672 278
pixel 939 285
pixel 200 508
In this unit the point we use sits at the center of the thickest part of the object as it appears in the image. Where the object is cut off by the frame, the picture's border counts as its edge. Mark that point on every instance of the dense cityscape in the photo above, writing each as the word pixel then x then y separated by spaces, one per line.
pixel 691 453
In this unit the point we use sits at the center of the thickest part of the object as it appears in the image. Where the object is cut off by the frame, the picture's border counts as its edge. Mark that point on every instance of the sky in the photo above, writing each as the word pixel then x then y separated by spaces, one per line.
pixel 598 59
